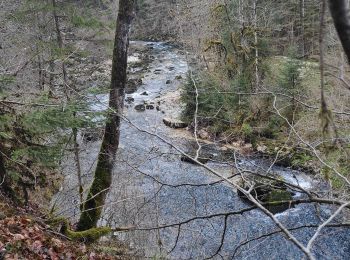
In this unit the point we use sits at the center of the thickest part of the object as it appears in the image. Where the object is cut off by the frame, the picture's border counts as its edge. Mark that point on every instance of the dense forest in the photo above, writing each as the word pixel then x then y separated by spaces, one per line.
pixel 174 129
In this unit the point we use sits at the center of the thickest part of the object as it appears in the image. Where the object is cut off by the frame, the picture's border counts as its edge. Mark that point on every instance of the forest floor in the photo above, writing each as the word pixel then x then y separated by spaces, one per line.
pixel 25 235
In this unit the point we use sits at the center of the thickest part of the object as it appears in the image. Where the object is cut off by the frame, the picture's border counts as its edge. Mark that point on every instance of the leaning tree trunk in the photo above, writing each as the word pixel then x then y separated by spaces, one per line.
pixel 92 207
pixel 341 17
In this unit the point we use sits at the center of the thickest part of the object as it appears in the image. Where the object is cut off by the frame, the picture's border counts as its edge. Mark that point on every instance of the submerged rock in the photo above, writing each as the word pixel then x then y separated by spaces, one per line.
pixel 174 123
pixel 190 160
pixel 270 192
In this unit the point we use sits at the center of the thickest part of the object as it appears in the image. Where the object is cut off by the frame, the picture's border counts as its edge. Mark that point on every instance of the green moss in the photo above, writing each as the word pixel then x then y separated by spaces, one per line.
pixel 93 205
pixel 88 236
pixel 278 195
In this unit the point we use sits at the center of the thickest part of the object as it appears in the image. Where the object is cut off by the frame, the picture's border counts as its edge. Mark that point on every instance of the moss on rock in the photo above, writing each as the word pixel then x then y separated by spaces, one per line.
pixel 278 195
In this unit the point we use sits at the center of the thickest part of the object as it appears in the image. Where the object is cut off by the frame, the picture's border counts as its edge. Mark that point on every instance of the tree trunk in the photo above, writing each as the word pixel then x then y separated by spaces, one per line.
pixel 341 17
pixel 256 46
pixel 5 185
pixel 92 207
pixel 3 180
pixel 302 27
pixel 60 46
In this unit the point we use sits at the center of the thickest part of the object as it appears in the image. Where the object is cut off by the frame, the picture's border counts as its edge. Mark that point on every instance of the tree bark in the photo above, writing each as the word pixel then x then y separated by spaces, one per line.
pixel 302 25
pixel 341 17
pixel 92 207
pixel 3 176
pixel 60 46
pixel 256 46
pixel 5 185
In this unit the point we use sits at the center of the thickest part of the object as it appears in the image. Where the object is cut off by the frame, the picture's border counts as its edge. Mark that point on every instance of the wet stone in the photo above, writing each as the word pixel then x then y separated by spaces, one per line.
pixel 132 85
pixel 91 135
pixel 140 107
pixel 129 100
pixel 174 123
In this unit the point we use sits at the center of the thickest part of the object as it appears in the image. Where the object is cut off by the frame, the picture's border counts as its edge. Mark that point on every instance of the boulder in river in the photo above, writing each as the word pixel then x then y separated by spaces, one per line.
pixel 129 100
pixel 174 123
pixel 145 93
pixel 140 107
pixel 91 134
pixel 203 134
pixel 168 82
pixel 132 85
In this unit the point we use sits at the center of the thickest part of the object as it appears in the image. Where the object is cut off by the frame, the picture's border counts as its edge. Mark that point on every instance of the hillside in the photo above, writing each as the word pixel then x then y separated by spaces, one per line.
pixel 144 129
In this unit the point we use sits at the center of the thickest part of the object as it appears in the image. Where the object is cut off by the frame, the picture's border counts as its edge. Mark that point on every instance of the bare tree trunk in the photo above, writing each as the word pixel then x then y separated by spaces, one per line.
pixel 77 163
pixel 60 45
pixel 256 46
pixel 302 24
pixel 92 207
pixel 3 180
pixel 341 17
pixel 67 94
pixel 5 185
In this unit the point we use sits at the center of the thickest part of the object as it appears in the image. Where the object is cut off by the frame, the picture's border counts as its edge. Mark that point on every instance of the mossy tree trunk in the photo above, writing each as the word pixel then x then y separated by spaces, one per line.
pixel 92 208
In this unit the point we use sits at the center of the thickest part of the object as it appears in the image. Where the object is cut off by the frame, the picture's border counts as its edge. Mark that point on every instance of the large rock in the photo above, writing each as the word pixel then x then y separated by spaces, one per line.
pixel 174 123
pixel 203 134
pixel 132 85
pixel 140 107
pixel 129 100
pixel 92 134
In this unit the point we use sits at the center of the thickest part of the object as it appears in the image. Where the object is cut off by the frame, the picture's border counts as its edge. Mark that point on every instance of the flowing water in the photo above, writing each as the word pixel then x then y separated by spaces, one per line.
pixel 153 187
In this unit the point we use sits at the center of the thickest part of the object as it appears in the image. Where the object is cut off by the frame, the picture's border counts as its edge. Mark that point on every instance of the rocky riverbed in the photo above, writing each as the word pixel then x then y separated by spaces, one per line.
pixel 153 187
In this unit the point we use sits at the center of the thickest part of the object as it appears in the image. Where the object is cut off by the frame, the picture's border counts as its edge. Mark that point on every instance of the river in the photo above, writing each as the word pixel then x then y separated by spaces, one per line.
pixel 153 187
